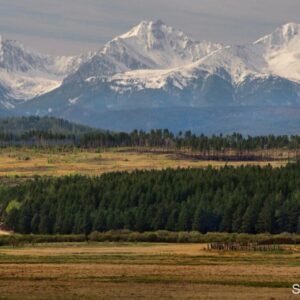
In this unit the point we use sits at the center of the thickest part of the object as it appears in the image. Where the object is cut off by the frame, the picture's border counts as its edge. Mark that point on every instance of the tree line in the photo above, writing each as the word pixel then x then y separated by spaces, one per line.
pixel 49 131
pixel 155 138
pixel 248 199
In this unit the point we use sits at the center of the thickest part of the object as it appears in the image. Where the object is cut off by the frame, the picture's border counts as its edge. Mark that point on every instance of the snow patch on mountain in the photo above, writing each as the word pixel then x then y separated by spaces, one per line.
pixel 73 101
pixel 233 63
pixel 22 86
pixel 7 105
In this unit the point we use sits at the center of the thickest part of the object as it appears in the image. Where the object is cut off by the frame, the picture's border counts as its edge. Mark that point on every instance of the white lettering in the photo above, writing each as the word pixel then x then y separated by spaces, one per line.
pixel 296 289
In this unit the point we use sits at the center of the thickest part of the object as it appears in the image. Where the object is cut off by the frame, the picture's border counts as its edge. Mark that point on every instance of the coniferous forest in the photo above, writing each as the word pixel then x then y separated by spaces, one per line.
pixel 243 199
pixel 49 132
pixel 158 139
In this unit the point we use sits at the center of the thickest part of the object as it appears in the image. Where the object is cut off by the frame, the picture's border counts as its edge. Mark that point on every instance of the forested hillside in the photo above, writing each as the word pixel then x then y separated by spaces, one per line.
pixel 244 199
pixel 20 125
pixel 52 132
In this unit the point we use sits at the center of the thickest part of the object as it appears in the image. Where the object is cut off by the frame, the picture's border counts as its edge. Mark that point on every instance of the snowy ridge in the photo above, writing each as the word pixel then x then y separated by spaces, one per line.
pixel 153 56
pixel 157 45
pixel 25 73
pixel 173 57
pixel 149 45
pixel 281 51
pixel 280 37
pixel 148 79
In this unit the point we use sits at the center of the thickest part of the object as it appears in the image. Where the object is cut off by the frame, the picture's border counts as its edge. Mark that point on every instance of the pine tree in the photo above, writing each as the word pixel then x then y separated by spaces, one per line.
pixel 100 221
pixel 265 222
pixel 13 220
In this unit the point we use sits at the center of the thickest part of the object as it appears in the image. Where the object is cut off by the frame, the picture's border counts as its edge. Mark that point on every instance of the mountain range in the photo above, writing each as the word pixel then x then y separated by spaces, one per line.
pixel 155 76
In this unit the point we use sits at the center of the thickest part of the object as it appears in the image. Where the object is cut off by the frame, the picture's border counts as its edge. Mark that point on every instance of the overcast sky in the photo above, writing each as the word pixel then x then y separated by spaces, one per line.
pixel 76 26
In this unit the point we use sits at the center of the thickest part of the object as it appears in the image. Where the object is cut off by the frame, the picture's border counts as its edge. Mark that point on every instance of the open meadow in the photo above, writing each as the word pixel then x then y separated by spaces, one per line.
pixel 145 271
pixel 27 162
pixel 127 270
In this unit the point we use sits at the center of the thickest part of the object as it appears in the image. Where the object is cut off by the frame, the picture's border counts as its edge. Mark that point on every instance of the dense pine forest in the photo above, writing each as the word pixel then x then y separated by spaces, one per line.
pixel 243 199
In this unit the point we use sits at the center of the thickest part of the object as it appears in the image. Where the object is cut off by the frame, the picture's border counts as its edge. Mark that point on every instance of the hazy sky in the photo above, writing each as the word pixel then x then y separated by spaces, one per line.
pixel 75 26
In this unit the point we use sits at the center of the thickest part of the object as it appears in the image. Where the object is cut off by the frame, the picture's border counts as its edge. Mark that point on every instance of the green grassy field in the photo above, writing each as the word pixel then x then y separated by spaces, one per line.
pixel 145 271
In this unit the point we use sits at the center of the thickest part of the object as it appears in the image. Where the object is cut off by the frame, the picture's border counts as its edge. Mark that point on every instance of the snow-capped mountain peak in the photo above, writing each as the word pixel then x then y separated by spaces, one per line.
pixel 281 50
pixel 151 45
pixel 159 46
pixel 290 30
pixel 15 57
pixel 152 66
pixel 144 28
pixel 281 37
pixel 26 73
pixel 153 34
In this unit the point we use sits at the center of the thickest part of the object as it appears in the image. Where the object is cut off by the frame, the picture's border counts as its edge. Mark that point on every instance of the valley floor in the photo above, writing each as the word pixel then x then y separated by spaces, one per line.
pixel 145 271
pixel 25 162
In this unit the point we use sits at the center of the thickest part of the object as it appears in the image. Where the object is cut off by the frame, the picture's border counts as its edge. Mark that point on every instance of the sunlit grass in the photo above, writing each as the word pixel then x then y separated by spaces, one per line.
pixel 30 162
pixel 143 271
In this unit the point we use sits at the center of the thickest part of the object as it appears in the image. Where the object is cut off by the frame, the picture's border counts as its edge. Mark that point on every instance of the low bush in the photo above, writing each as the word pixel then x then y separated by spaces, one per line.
pixel 161 236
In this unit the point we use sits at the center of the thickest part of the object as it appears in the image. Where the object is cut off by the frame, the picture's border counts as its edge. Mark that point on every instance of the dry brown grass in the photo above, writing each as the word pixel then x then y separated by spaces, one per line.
pixel 28 162
pixel 3 232
pixel 144 271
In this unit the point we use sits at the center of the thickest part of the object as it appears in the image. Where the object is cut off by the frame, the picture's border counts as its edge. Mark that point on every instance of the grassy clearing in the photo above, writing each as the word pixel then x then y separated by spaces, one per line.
pixel 27 162
pixel 144 271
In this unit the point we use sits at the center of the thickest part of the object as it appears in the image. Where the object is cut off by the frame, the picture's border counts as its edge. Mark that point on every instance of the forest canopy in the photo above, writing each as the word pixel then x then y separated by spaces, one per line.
pixel 34 131
pixel 244 199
